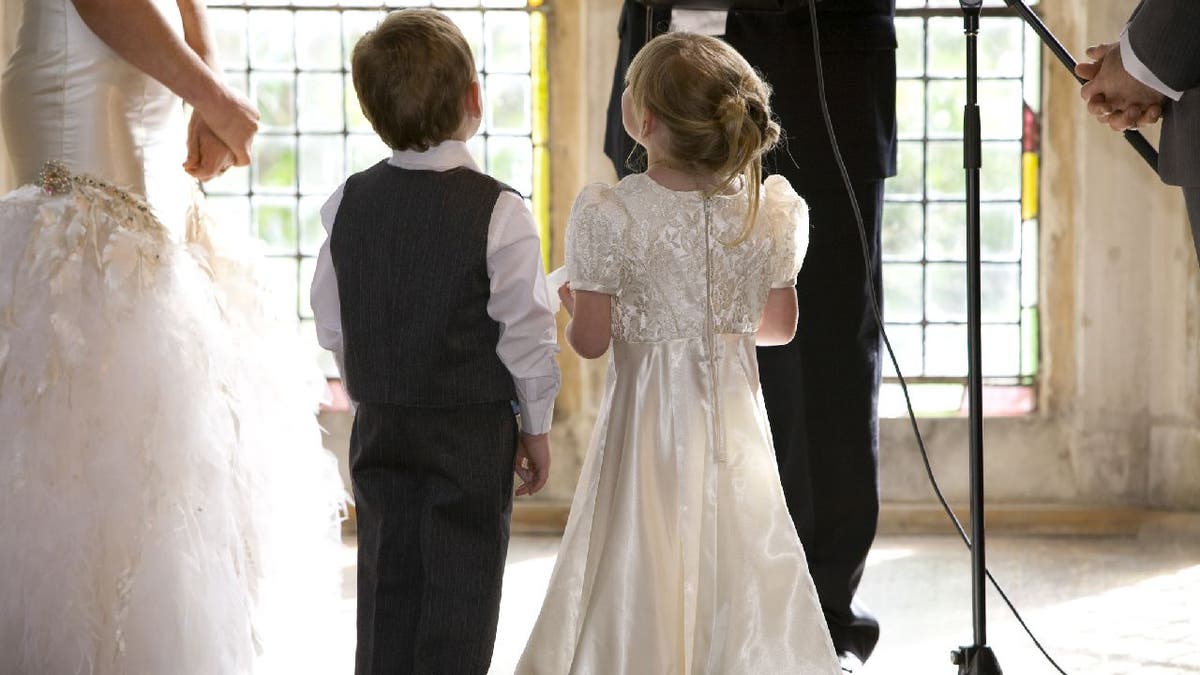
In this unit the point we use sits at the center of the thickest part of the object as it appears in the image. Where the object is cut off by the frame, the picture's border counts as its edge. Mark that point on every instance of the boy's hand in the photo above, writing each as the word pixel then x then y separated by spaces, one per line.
pixel 568 299
pixel 532 463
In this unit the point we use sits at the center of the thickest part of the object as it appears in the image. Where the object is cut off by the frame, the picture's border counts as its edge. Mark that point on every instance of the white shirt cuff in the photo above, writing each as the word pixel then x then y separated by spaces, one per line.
pixel 536 396
pixel 1139 71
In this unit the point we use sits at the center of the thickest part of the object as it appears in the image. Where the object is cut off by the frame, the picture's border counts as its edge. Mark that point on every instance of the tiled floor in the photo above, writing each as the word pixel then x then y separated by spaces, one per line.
pixel 1101 606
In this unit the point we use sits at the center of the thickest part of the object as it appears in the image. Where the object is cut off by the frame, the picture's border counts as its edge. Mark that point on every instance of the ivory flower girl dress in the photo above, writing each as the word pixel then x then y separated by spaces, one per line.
pixel 679 556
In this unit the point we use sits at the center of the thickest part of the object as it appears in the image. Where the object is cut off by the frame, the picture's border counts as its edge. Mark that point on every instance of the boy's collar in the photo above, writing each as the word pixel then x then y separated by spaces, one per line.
pixel 441 157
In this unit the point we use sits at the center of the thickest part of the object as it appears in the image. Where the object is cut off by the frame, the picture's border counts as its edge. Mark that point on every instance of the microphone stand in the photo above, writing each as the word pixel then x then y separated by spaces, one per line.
pixel 1135 137
pixel 976 659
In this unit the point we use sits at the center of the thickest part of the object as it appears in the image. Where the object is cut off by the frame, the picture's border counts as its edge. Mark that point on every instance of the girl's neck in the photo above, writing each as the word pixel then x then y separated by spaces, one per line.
pixel 680 180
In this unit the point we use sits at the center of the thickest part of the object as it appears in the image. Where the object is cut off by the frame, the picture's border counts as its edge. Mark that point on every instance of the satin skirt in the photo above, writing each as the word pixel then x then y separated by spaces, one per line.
pixel 679 555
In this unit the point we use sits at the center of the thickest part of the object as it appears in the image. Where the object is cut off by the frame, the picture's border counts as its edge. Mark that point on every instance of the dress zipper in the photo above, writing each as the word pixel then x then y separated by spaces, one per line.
pixel 710 337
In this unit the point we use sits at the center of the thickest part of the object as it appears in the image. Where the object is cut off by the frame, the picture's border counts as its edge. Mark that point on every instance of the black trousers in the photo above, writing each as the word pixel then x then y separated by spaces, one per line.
pixel 821 392
pixel 433 494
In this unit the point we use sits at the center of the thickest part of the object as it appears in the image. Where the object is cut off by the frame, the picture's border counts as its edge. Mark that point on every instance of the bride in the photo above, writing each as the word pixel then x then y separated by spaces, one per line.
pixel 165 503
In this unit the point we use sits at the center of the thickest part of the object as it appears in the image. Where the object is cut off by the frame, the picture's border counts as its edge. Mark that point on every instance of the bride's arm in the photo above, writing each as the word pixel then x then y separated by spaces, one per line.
pixel 136 31
pixel 196 32
pixel 207 156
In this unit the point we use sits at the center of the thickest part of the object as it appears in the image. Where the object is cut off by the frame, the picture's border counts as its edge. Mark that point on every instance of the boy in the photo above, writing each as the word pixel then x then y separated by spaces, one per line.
pixel 429 290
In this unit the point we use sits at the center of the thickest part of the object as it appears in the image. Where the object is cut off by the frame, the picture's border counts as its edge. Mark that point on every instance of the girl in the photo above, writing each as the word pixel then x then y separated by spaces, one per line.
pixel 679 555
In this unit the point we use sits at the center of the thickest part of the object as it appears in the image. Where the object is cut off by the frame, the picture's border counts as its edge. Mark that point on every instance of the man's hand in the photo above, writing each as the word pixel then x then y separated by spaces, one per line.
pixel 208 157
pixel 233 119
pixel 1113 96
pixel 532 463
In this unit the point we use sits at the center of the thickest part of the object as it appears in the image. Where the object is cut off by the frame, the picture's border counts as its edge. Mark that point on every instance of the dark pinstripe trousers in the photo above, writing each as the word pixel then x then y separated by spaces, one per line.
pixel 433 495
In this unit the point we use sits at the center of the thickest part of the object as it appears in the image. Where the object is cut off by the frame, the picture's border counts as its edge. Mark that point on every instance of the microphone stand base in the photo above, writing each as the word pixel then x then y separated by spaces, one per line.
pixel 975 661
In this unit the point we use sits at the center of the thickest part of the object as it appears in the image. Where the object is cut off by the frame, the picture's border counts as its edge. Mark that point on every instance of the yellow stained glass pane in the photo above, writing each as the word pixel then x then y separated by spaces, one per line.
pixel 1029 185
pixel 541 199
pixel 539 75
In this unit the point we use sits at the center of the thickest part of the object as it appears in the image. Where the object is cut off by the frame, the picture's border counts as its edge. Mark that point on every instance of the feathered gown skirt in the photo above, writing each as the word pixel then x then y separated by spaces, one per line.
pixel 165 502
pixel 679 556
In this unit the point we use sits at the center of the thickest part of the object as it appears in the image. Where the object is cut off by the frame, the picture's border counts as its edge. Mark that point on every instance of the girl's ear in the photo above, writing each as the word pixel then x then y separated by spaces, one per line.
pixel 649 123
pixel 473 102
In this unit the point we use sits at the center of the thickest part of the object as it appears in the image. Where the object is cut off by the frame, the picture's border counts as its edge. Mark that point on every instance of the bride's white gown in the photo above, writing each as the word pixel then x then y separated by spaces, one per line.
pixel 165 503
pixel 679 556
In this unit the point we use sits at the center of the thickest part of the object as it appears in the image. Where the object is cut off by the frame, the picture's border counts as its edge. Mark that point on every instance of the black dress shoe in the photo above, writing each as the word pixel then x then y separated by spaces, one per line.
pixel 850 662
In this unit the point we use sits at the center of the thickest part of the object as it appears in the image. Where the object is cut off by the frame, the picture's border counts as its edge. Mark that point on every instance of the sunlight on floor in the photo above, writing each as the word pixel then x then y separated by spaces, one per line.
pixel 1147 627
pixel 531 560
pixel 1101 606
pixel 884 554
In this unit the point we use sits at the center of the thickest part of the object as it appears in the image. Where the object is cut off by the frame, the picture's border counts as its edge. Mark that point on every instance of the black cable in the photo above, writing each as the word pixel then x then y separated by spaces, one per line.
pixel 862 233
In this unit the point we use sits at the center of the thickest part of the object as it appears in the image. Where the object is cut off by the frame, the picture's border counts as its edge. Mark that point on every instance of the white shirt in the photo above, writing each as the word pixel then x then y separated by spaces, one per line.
pixel 1139 71
pixel 519 299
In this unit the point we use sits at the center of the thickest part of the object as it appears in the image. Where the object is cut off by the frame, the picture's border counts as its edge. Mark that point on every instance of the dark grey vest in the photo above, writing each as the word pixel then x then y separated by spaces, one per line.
pixel 409 249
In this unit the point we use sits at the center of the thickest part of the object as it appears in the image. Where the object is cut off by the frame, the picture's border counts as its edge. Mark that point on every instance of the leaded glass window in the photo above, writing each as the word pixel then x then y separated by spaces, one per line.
pixel 924 229
pixel 291 58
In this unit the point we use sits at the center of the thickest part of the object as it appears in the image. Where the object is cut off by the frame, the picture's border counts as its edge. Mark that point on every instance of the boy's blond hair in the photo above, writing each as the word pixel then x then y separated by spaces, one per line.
pixel 411 75
pixel 714 106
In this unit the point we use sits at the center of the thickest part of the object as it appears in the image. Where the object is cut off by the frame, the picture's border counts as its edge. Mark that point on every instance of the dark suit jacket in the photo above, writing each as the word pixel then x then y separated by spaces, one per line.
pixel 1165 35
pixel 858 43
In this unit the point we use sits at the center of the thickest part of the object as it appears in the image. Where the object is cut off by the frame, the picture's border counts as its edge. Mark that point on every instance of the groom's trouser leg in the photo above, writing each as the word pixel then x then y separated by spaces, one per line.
pixel 821 392
pixel 433 491
pixel 1191 196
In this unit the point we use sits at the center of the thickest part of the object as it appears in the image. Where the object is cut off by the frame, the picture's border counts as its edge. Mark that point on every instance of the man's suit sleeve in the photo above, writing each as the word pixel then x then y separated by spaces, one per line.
pixel 1165 36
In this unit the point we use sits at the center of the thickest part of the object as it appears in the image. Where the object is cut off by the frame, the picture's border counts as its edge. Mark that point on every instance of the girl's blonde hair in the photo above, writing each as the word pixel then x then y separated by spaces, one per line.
pixel 714 106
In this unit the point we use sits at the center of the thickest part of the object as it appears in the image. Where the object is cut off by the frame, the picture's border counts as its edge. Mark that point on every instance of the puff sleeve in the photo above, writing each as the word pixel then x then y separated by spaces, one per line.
pixel 787 217
pixel 594 233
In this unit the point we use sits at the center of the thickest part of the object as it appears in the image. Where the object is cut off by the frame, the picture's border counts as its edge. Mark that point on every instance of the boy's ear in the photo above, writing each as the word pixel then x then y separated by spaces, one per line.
pixel 473 101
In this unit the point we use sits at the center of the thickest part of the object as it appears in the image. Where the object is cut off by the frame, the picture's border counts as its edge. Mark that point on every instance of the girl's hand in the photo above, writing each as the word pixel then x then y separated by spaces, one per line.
pixel 568 299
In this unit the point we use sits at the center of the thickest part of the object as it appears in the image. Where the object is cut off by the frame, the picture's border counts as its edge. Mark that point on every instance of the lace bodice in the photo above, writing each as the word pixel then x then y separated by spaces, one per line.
pixel 645 245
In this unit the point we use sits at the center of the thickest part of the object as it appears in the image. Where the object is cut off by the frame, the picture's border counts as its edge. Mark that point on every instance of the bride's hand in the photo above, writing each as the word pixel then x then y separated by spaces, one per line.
pixel 208 157
pixel 234 121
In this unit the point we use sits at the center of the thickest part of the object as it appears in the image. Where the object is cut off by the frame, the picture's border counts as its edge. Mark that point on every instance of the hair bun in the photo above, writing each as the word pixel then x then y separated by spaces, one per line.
pixel 732 111
pixel 758 112
pixel 738 111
